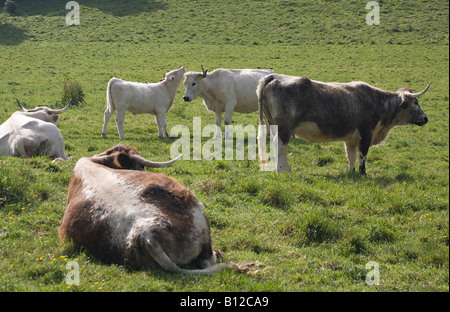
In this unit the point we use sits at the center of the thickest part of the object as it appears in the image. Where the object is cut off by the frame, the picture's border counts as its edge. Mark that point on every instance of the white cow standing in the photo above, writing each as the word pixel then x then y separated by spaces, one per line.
pixel 33 132
pixel 142 98
pixel 225 91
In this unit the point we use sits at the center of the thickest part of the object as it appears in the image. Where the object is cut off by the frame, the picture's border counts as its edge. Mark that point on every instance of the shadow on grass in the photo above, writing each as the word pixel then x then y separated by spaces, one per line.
pixel 11 35
pixel 379 180
pixel 124 8
pixel 116 8
pixel 72 251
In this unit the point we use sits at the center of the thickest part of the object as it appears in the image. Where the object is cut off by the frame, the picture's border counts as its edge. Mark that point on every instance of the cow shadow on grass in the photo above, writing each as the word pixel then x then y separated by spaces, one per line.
pixel 73 251
pixel 116 8
pixel 383 179
pixel 357 177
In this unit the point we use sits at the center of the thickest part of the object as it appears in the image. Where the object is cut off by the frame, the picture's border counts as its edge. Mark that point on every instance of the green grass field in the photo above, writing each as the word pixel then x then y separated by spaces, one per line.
pixel 314 229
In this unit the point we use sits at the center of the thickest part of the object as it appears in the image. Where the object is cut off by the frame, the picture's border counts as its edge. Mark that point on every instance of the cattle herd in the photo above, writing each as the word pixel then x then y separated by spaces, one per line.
pixel 123 214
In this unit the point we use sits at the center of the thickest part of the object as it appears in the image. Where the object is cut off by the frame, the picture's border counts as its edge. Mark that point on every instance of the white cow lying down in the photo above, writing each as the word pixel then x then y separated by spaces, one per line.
pixel 142 98
pixel 225 91
pixel 32 132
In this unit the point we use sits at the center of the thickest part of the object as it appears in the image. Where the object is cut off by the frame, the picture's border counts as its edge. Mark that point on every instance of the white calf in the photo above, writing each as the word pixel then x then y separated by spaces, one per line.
pixel 141 98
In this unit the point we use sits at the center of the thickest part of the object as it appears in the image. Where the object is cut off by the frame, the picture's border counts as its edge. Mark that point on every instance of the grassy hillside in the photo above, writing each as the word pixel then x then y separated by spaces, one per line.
pixel 231 22
pixel 314 229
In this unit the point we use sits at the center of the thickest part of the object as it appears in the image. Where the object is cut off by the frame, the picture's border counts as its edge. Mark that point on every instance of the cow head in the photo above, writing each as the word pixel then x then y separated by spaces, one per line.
pixel 175 75
pixel 123 156
pixel 409 111
pixel 43 112
pixel 192 82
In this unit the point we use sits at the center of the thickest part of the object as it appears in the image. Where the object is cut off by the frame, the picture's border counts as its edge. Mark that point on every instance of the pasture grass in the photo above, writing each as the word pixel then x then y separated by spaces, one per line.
pixel 314 229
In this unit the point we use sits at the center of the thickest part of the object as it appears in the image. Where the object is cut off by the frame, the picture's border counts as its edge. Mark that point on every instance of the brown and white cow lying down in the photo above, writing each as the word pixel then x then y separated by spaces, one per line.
pixel 355 112
pixel 138 218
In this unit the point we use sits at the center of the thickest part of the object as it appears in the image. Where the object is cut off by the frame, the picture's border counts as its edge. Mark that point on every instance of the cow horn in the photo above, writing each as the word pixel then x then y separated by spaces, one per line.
pixel 59 111
pixel 152 164
pixel 204 72
pixel 23 108
pixel 416 95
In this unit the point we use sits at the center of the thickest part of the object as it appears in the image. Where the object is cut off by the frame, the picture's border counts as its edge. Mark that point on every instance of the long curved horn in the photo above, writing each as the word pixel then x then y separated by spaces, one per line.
pixel 204 72
pixel 416 95
pixel 152 164
pixel 23 108
pixel 59 111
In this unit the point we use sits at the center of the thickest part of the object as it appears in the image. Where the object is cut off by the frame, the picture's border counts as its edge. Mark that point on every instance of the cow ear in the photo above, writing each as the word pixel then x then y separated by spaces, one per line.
pixel 123 161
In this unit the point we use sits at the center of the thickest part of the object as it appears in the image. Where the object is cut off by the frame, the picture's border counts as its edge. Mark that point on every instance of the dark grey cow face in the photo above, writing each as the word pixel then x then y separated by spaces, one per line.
pixel 409 111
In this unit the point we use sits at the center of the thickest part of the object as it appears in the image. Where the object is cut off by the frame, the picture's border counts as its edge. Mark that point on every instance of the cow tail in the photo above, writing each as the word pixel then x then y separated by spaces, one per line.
pixel 110 106
pixel 262 101
pixel 160 256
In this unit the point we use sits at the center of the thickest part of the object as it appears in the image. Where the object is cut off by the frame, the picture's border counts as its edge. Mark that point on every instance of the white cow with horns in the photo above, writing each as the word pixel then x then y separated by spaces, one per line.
pixel 142 98
pixel 225 91
pixel 33 132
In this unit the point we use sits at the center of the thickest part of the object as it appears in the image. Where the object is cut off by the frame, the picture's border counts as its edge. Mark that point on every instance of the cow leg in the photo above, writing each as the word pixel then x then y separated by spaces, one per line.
pixel 281 140
pixel 227 122
pixel 120 118
pixel 56 148
pixel 282 162
pixel 362 161
pixel 281 154
pixel 351 152
pixel 161 122
pixel 106 117
pixel 218 117
pixel 364 145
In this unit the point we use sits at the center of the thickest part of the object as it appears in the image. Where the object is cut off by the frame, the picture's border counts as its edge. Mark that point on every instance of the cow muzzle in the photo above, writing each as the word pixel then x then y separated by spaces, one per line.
pixel 422 122
pixel 186 98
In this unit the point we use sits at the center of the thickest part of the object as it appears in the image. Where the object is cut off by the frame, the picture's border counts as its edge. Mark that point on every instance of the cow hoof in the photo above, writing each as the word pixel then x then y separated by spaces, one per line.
pixel 104 135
